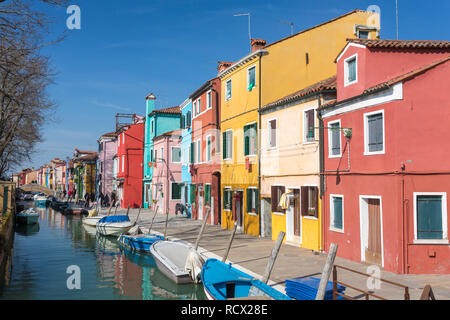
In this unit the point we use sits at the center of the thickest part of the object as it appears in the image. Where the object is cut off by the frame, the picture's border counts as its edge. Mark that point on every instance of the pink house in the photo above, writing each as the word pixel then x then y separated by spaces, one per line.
pixel 167 171
pixel 386 173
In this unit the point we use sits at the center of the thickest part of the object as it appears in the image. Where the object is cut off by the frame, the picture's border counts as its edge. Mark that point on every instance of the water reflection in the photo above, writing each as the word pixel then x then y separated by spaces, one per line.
pixel 42 253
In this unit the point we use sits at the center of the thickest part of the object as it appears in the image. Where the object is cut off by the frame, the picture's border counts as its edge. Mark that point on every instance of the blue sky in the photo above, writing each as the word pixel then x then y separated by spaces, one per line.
pixel 127 49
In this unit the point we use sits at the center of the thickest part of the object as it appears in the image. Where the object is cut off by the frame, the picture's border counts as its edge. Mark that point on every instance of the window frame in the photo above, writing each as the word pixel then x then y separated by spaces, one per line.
pixel 332 227
pixel 346 70
pixel 171 190
pixel 366 133
pixel 227 189
pixel 250 152
pixel 269 128
pixel 330 140
pixel 228 145
pixel 444 239
pixel 171 154
pixel 248 77
pixel 277 212
pixel 305 126
pixel 208 99
pixel 228 95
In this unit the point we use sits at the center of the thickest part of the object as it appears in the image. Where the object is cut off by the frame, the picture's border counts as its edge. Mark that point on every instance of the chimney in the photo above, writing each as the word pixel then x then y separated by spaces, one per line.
pixel 222 65
pixel 257 44
pixel 150 103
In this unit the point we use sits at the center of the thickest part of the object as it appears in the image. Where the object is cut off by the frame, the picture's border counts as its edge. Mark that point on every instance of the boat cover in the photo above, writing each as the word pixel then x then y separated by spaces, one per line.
pixel 121 218
pixel 194 264
pixel 93 213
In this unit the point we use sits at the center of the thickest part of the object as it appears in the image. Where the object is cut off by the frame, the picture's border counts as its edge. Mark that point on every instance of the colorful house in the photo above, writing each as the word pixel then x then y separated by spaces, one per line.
pixel 106 151
pixel 167 171
pixel 157 122
pixel 186 140
pixel 293 65
pixel 205 155
pixel 387 184
pixel 239 103
pixel 130 150
pixel 84 172
pixel 290 164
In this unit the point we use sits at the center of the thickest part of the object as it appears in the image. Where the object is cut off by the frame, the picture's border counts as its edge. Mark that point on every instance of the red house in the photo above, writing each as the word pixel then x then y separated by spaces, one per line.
pixel 385 168
pixel 205 161
pixel 130 155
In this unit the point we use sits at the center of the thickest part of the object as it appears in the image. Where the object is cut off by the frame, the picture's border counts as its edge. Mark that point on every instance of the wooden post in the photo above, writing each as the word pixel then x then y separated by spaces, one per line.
pixel 229 242
pixel 128 210
pixel 154 215
pixel 273 257
pixel 165 228
pixel 427 293
pixel 140 207
pixel 202 228
pixel 326 272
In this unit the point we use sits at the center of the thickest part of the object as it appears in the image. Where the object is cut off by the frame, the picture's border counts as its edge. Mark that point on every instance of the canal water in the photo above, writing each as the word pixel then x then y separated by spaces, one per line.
pixel 47 257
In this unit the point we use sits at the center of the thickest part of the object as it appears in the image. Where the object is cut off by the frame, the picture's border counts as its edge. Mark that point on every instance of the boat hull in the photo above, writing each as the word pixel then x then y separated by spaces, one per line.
pixel 41 203
pixel 140 243
pixel 27 219
pixel 112 229
pixel 91 221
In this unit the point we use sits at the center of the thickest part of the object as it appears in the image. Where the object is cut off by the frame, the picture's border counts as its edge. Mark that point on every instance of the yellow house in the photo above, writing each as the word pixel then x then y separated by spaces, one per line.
pixel 292 68
pixel 240 100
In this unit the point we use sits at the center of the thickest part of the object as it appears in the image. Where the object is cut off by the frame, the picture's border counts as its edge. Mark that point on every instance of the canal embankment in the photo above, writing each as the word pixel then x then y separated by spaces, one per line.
pixel 7 222
pixel 251 254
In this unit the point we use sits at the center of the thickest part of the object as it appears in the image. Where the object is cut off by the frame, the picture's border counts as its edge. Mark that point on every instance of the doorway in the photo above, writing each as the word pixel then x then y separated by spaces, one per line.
pixel 237 209
pixel 293 218
pixel 371 230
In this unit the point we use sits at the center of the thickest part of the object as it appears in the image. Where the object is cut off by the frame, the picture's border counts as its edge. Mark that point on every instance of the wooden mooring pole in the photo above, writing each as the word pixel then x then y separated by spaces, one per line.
pixel 225 256
pixel 273 257
pixel 326 272
pixel 202 228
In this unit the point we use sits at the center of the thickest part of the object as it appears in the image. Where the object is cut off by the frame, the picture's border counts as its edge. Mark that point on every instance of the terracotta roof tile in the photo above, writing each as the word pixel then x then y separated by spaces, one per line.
pixel 401 44
pixel 327 84
pixel 170 110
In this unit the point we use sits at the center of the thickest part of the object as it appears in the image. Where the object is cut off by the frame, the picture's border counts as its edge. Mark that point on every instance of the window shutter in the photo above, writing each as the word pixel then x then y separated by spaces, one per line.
pixel 246 141
pixel 429 217
pixel 273 133
pixel 304 201
pixel 192 153
pixel 337 217
pixel 335 139
pixel 375 123
pixel 310 123
pixel 224 144
pixel 273 196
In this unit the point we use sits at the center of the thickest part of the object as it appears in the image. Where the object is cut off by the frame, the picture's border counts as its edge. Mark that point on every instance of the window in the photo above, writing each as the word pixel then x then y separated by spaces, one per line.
pixel 227 137
pixel 308 121
pixel 176 154
pixel 363 34
pixel 272 133
pixel 350 70
pixel 193 193
pixel 374 133
pixel 198 106
pixel 183 122
pixel 191 153
pixel 334 139
pixel 309 201
pixel 152 128
pixel 156 156
pixel 250 140
pixel 195 108
pixel 123 138
pixel 208 148
pixel 188 119
pixel 227 196
pixel 208 194
pixel 336 212
pixel 209 99
pixel 430 217
pixel 162 153
pixel 228 90
pixel 176 191
pixel 252 200
pixel 118 140
pixel 251 78
pixel 123 163
pixel 276 193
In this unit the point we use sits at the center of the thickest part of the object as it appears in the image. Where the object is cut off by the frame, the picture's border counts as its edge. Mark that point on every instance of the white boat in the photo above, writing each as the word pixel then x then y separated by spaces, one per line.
pixel 172 259
pixel 114 225
pixel 92 218
pixel 29 216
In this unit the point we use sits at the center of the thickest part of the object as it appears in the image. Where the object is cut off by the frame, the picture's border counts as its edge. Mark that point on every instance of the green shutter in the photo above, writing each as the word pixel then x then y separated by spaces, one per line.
pixel 337 206
pixel 429 217
pixel 192 193
pixel 224 144
pixel 192 153
pixel 246 141
pixel 208 194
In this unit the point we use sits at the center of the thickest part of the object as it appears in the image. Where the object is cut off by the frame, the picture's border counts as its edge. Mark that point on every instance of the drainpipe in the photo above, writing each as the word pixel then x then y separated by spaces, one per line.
pixel 321 168
pixel 259 144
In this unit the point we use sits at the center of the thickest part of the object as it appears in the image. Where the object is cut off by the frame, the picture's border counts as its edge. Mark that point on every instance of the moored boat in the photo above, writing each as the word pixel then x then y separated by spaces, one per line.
pixel 114 225
pixel 41 201
pixel 140 242
pixel 172 258
pixel 29 216
pixel 221 281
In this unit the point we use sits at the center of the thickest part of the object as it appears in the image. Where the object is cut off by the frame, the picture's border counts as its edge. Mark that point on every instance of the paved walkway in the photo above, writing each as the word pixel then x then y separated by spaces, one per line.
pixel 252 253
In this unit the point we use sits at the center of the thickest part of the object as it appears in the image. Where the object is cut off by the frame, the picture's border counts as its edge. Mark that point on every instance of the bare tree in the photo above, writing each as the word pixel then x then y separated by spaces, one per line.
pixel 25 75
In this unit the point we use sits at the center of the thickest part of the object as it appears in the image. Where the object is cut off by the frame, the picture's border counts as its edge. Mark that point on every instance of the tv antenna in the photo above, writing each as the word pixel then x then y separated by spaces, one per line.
pixel 249 32
pixel 288 23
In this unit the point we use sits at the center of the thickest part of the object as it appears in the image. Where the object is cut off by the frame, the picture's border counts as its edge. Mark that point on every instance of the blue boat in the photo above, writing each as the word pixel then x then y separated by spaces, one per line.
pixel 221 281
pixel 141 242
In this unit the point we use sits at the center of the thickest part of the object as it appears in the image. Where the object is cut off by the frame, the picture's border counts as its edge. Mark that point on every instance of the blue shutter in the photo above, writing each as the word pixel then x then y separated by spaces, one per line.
pixel 429 217
pixel 337 206
pixel 375 123
pixel 352 70
pixel 335 139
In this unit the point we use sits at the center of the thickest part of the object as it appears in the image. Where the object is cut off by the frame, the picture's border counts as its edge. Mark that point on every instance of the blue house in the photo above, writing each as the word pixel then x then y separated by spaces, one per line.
pixel 157 122
pixel 186 140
